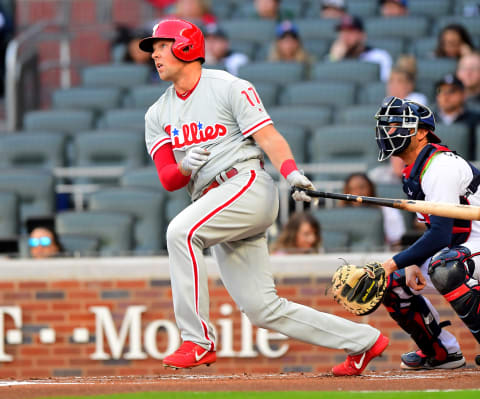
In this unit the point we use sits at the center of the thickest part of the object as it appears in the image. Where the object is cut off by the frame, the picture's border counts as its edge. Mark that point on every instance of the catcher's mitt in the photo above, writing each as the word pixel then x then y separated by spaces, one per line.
pixel 359 289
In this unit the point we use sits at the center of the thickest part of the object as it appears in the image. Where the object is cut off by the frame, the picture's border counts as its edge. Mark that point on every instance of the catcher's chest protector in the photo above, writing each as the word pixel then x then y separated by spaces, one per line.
pixel 412 178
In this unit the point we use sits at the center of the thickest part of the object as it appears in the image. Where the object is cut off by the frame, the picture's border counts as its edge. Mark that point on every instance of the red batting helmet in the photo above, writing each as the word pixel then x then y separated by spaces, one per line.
pixel 188 40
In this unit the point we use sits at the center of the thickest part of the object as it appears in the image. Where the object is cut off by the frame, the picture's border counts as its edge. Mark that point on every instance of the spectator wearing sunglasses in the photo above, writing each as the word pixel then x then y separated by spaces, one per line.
pixel 43 241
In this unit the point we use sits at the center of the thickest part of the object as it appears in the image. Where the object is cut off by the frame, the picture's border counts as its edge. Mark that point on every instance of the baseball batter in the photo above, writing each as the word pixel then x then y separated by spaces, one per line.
pixel 207 132
pixel 433 173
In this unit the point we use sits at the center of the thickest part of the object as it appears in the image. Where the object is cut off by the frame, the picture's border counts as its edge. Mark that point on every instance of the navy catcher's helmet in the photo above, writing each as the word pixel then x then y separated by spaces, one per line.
pixel 395 120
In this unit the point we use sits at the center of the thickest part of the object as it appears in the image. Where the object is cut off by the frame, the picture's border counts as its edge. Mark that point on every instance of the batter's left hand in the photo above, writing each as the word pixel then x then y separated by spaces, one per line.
pixel 297 179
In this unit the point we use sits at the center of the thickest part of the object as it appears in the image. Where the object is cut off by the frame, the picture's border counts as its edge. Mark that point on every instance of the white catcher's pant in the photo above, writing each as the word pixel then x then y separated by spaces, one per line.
pixel 232 219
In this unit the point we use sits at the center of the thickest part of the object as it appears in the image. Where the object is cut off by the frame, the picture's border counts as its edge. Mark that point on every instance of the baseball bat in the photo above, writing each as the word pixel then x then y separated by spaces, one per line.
pixel 455 211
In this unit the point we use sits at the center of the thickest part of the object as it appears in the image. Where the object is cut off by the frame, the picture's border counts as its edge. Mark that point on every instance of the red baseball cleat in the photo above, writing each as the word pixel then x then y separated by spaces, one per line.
pixel 189 355
pixel 354 365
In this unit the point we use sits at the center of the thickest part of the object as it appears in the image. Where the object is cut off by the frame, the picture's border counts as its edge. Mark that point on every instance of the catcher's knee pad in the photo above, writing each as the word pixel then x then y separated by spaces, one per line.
pixel 413 315
pixel 450 272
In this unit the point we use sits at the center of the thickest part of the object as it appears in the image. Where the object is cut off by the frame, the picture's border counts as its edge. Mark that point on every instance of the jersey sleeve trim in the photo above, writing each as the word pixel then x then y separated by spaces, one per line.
pixel 158 144
pixel 258 126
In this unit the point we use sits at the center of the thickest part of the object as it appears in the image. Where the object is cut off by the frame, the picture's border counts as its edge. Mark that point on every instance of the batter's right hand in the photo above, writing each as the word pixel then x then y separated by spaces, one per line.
pixel 194 159
pixel 297 179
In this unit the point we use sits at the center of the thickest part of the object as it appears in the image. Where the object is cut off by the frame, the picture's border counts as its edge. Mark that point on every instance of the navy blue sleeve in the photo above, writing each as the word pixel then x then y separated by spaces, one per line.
pixel 438 236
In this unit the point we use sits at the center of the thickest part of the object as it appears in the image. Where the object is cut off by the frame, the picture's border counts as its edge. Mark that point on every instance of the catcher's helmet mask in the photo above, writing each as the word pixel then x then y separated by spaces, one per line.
pixel 188 40
pixel 395 120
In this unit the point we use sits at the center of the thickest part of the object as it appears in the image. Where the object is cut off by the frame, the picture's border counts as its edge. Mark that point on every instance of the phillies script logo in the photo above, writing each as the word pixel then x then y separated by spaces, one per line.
pixel 194 133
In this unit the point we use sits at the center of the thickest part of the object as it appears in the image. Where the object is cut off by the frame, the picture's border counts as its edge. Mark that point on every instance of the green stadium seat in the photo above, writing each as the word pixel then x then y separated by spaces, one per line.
pixel 79 244
pixel 113 229
pixel 456 137
pixel 176 202
pixel 247 47
pixel 408 27
pixel 124 118
pixel 95 99
pixel 424 47
pixel 434 69
pixel 272 72
pixel 372 93
pixel 349 71
pixel 144 96
pixel 9 214
pixel 334 241
pixel 309 117
pixel 34 188
pixel 142 177
pixel 61 121
pixel 296 138
pixel 363 114
pixel 429 8
pixel 394 46
pixel 253 30
pixel 315 28
pixel 334 93
pixel 32 150
pixel 470 23
pixel 363 225
pixel 146 205
pixel 116 75
pixel 267 92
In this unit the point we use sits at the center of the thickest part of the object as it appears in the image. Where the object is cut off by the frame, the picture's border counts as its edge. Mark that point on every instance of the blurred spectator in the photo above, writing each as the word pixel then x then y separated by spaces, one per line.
pixel 401 84
pixel 468 71
pixel 195 11
pixel 451 107
pixel 333 9
pixel 393 222
pixel 43 241
pixel 300 235
pixel 288 45
pixel 393 8
pixel 125 49
pixel 454 41
pixel 351 44
pixel 218 52
pixel 390 173
pixel 270 9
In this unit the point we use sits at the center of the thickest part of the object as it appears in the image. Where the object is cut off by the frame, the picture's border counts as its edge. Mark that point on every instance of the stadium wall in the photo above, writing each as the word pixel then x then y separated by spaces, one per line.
pixel 114 316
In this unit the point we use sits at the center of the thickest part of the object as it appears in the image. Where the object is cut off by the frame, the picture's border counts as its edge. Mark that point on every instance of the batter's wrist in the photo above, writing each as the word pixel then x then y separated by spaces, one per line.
pixel 183 171
pixel 288 167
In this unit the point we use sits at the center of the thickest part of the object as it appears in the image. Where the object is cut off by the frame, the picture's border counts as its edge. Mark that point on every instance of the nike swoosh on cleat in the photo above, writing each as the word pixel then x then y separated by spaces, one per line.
pixel 360 363
pixel 200 357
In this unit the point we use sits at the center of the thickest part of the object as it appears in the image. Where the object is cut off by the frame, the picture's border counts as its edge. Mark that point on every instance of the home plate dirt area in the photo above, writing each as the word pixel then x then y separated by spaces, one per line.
pixel 392 380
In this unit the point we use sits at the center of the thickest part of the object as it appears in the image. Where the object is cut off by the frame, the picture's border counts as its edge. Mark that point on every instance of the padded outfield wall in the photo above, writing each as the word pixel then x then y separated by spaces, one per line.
pixel 114 316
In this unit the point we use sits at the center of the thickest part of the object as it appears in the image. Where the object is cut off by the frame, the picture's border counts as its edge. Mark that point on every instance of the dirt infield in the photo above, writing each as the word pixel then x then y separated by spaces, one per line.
pixel 392 380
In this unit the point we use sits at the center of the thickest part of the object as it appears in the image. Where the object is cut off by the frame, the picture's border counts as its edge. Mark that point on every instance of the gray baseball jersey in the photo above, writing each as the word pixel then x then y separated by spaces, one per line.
pixel 221 114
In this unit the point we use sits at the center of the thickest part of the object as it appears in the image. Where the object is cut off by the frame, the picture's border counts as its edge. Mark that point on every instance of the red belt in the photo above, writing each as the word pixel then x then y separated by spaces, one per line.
pixel 232 172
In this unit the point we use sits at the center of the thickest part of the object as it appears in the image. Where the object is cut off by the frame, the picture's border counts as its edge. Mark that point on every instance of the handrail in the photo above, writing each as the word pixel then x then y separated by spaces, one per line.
pixel 14 59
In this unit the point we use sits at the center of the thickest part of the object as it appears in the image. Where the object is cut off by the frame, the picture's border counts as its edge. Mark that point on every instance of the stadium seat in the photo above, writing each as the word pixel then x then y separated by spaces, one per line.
pixel 386 190
pixel 363 9
pixel 144 96
pixel 116 75
pixel 363 225
pixel 455 136
pixel 372 93
pixel 267 92
pixel 350 71
pixel 9 214
pixel 309 117
pixel 465 8
pixel 316 48
pixel 363 114
pixel 125 118
pixel 79 244
pixel 62 121
pixel 146 205
pixel 317 29
pixel 297 138
pixel 394 46
pixel 110 149
pixel 32 150
pixel 470 23
pixel 430 8
pixel 95 99
pixel 319 93
pixel 34 189
pixel 247 47
pixel 434 69
pixel 424 47
pixel 343 143
pixel 334 241
pixel 272 72
pixel 409 27
pixel 113 229
pixel 253 30
pixel 141 177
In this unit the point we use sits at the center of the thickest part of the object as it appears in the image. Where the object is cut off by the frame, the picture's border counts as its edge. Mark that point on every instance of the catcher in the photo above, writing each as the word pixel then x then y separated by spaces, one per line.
pixel 444 253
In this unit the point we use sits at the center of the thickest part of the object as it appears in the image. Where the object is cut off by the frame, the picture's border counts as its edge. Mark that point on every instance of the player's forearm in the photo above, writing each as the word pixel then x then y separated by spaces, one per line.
pixel 168 171
pixel 274 145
